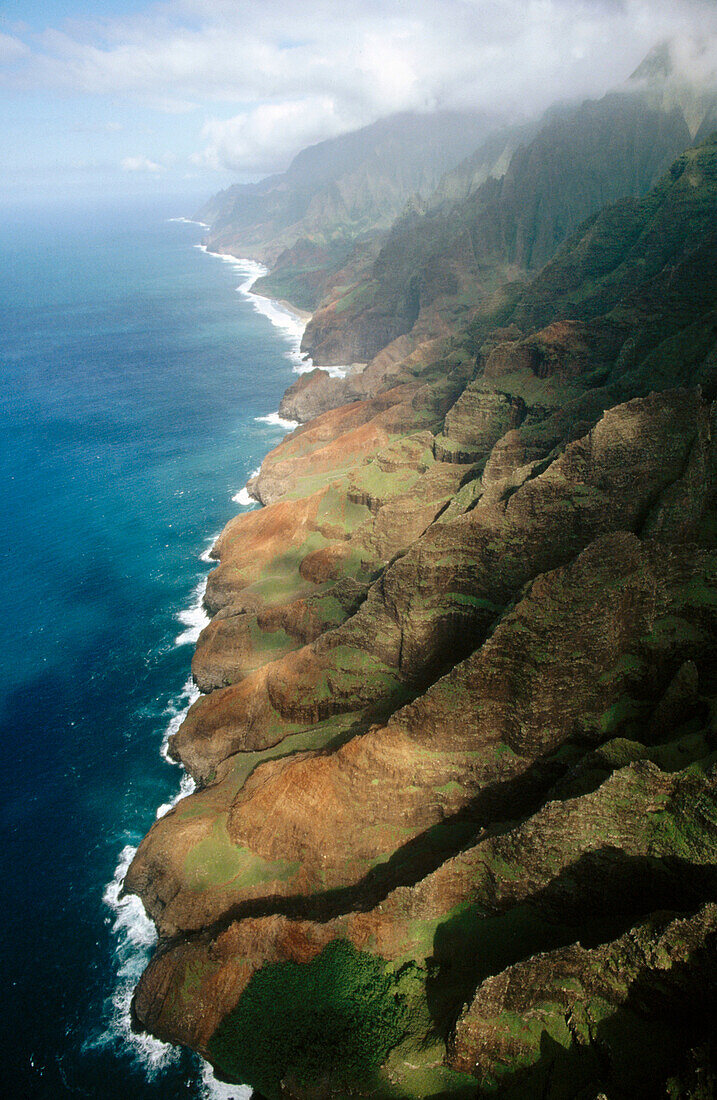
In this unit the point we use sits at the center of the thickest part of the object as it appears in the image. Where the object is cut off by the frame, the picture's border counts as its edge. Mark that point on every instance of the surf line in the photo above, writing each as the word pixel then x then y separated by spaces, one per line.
pixel 291 323
pixel 135 934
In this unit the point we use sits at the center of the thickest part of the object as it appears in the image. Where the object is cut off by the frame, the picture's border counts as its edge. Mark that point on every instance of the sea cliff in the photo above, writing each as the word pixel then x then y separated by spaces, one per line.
pixel 455 830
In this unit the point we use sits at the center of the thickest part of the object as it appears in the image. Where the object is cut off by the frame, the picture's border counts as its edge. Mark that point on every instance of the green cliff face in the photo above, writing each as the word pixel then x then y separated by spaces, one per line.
pixel 437 266
pixel 340 190
pixel 456 829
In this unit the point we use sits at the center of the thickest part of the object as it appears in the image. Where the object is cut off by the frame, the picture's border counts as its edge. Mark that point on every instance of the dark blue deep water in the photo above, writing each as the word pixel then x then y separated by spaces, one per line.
pixel 132 372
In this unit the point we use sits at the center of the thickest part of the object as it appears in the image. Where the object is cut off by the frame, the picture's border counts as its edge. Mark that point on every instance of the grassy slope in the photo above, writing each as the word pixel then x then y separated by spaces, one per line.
pixel 641 277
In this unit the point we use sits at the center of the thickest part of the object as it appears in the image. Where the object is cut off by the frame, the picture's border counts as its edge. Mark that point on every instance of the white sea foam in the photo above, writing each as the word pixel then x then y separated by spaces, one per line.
pixel 187 786
pixel 244 497
pixel 135 938
pixel 189 221
pixel 290 323
pixel 211 1089
pixel 134 932
pixel 175 714
pixel 194 618
pixel 131 922
pixel 277 421
pixel 206 555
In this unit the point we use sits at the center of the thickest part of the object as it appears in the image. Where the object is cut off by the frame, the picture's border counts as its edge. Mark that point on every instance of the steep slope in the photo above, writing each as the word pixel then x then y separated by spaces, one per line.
pixel 681 73
pixel 304 221
pixel 490 160
pixel 433 269
pixel 456 831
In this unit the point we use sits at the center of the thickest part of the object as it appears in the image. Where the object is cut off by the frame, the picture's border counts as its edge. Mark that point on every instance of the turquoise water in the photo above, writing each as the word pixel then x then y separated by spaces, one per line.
pixel 132 374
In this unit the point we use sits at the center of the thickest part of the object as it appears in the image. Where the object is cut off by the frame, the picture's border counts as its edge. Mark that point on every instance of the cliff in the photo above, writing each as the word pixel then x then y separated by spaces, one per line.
pixel 434 269
pixel 412 225
pixel 456 825
pixel 304 222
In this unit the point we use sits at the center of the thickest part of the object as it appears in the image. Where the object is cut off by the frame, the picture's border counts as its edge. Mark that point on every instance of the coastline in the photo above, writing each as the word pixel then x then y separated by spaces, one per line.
pixel 195 617
pixel 135 931
pixel 431 742
pixel 291 322
pixel 282 314
pixel 302 315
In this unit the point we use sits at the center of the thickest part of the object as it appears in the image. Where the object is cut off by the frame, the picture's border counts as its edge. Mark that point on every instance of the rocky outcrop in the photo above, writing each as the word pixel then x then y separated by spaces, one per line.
pixel 456 825
pixel 584 658
pixel 312 394
pixel 616 852
pixel 476 422
pixel 554 1018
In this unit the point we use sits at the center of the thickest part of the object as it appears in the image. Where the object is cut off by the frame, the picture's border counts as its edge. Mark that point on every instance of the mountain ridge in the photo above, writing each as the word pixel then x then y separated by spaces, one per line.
pixel 456 752
pixel 434 269
pixel 322 226
pixel 344 188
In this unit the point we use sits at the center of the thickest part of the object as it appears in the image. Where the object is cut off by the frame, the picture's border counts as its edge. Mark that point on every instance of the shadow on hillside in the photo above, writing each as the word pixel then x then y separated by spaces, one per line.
pixel 502 802
pixel 594 900
pixel 663 1030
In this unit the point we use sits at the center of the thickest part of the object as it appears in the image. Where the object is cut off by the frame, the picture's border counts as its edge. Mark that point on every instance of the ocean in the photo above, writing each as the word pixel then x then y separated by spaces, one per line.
pixel 140 383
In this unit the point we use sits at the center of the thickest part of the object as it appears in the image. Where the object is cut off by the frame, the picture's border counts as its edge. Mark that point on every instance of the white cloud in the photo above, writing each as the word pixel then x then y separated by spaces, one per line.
pixel 140 164
pixel 266 79
pixel 695 60
pixel 250 142
pixel 12 49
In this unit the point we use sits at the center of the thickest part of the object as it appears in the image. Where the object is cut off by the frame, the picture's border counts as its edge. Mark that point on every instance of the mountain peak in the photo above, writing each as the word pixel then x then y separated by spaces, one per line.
pixel 681 74
pixel 656 65
pixel 684 59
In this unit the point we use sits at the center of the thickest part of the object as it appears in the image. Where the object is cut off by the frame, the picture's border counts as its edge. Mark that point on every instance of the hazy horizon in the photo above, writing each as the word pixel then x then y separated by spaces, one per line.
pixel 185 97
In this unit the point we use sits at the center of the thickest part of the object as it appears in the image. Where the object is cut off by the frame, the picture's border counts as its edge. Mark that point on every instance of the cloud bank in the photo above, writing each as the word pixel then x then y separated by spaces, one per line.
pixel 264 80
pixel 140 164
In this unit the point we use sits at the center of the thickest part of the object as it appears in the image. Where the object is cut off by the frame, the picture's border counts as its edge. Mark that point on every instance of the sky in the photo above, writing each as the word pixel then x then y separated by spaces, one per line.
pixel 124 97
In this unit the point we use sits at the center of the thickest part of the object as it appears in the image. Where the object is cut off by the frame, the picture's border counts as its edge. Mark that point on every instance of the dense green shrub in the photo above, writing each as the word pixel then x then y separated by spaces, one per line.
pixel 338 1015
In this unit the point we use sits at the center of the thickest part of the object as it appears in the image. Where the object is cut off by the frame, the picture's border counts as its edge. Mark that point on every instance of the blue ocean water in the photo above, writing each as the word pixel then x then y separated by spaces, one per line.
pixel 132 374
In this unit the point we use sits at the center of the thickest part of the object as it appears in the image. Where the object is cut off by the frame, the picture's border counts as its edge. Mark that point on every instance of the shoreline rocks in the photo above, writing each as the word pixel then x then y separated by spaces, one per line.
pixel 460 711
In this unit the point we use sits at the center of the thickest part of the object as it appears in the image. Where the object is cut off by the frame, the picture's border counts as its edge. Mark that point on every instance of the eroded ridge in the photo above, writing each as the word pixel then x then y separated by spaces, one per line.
pixel 456 824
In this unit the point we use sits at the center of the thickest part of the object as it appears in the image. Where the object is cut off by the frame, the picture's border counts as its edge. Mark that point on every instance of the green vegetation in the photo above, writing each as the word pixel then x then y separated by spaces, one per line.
pixel 600 673
pixel 268 645
pixel 216 861
pixel 466 257
pixel 335 1018
pixel 353 676
pixel 359 297
pixel 307 221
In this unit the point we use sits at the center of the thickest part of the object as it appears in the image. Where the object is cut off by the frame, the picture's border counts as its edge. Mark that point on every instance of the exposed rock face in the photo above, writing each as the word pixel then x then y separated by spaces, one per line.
pixel 455 255
pixel 457 746
pixel 602 848
pixel 582 655
pixel 476 422
pixel 313 393
pixel 552 1018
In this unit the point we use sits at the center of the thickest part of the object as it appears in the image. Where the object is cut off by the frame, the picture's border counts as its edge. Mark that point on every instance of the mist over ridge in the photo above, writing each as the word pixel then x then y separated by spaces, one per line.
pixel 190 94
pixel 362 514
